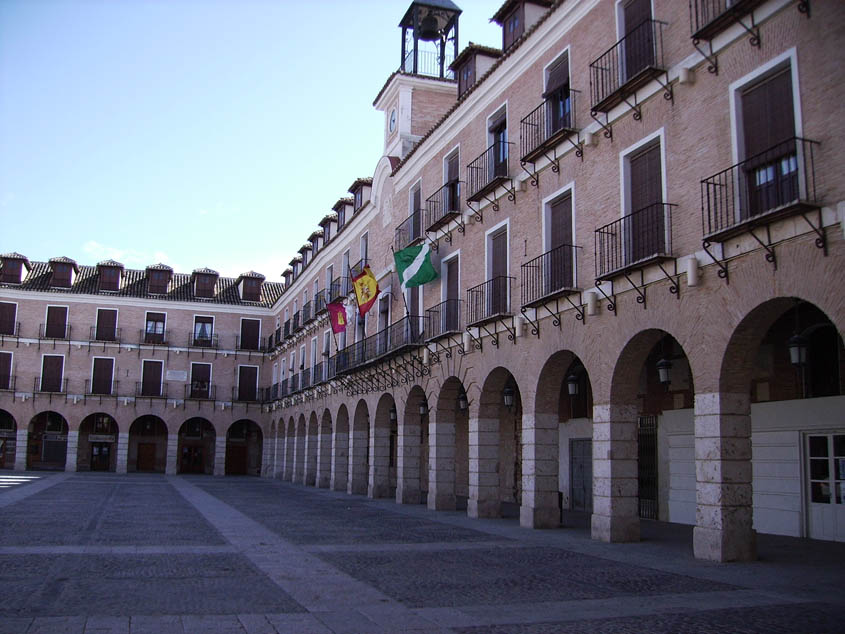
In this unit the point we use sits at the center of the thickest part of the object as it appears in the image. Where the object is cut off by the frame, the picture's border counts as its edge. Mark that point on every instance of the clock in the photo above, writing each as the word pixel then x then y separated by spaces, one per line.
pixel 391 126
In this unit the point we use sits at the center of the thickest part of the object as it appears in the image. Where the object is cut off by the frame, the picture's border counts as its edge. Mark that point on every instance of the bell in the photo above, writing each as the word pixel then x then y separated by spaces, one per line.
pixel 429 32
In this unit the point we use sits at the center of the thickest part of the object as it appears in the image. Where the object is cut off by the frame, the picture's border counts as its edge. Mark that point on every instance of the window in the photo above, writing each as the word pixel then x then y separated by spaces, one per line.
pixel 151 375
pixel 329 280
pixel 56 322
pixel 102 374
pixel 364 242
pixel 304 258
pixel 106 329
pixel 498 137
pixel 247 383
pixel 6 371
pixel 415 227
pixel 450 317
pixel 314 361
pixel 358 198
pixel 827 469
pixel 341 217
pixel 62 273
pixel 497 296
pixel 109 278
pixel 203 328
pixel 11 273
pixel 452 201
pixel 315 245
pixel 558 108
pixel 558 266
pixel 200 380
pixel 250 334
pixel 638 51
pixel 327 232
pixel 466 75
pixel 251 289
pixel 512 27
pixel 52 367
pixel 204 285
pixel 157 281
pixel 8 313
pixel 644 229
pixel 154 329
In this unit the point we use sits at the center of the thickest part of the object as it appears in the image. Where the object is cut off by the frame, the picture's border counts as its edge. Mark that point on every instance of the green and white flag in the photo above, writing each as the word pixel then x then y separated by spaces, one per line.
pixel 414 266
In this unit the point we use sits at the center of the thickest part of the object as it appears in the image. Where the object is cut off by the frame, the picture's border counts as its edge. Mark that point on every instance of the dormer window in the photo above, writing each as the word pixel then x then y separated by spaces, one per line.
pixel 341 217
pixel 251 289
pixel 512 27
pixel 358 198
pixel 62 276
pixel 11 272
pixel 204 286
pixel 157 281
pixel 108 274
pixel 466 76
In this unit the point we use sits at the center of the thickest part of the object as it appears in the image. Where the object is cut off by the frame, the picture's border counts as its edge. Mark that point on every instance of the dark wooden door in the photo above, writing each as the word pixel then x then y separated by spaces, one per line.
pixel 192 459
pixel 146 457
pixel 645 230
pixel 7 318
pixel 56 322
pixel 151 378
pixel 247 382
pixel 768 122
pixel 499 270
pixel 453 191
pixel 558 109
pixel 236 459
pixel 100 456
pixel 101 376
pixel 416 219
pixel 581 475
pixel 51 373
pixel 639 38
pixel 558 266
pixel 5 370
pixel 250 333
pixel 106 324
pixel 154 332
pixel 500 149
pixel 452 312
pixel 200 380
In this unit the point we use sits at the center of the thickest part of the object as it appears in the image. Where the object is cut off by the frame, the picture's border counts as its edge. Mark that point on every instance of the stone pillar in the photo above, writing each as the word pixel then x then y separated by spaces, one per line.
pixel 310 471
pixel 324 458
pixel 379 476
pixel 616 516
pixel 483 468
pixel 340 461
pixel 441 463
pixel 171 457
pixel 298 474
pixel 220 455
pixel 408 461
pixel 72 448
pixel 540 465
pixel 724 506
pixel 122 451
pixel 357 482
pixel 20 449
pixel 287 473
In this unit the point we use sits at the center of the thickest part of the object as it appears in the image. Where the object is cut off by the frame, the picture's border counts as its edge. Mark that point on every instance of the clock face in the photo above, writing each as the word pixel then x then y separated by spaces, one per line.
pixel 392 123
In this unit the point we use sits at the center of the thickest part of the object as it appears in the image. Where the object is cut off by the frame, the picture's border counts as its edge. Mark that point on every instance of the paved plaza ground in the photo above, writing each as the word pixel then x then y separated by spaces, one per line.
pixel 108 553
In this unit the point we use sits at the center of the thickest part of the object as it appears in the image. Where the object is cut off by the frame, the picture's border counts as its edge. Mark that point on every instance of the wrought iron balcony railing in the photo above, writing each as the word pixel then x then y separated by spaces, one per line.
pixel 54 331
pixel 10 328
pixel 408 332
pixel 305 378
pixel 154 338
pixel 549 275
pixel 49 386
pixel 634 240
pixel 7 382
pixel 488 171
pixel 200 391
pixel 358 268
pixel 294 384
pixel 320 302
pixel 547 125
pixel 307 313
pixel 252 345
pixel 628 65
pixel 108 388
pixel 245 394
pixel 203 340
pixel 104 333
pixel 319 373
pixel 709 17
pixel 444 319
pixel 297 321
pixel 775 183
pixel 340 288
pixel 331 368
pixel 443 205
pixel 283 388
pixel 288 331
pixel 410 231
pixel 151 390
pixel 489 301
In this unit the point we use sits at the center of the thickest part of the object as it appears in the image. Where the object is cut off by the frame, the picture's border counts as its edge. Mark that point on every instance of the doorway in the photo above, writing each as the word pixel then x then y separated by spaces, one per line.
pixel 146 456
pixel 581 475
pixel 100 456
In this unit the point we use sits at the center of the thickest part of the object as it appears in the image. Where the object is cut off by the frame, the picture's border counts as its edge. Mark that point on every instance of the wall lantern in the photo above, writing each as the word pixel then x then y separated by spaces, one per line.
pixel 797 346
pixel 507 396
pixel 392 414
pixel 463 404
pixel 664 366
pixel 572 384
pixel 423 408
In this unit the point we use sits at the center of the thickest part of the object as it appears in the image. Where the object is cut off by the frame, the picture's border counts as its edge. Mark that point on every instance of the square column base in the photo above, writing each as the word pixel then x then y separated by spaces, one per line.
pixel 713 544
pixel 607 528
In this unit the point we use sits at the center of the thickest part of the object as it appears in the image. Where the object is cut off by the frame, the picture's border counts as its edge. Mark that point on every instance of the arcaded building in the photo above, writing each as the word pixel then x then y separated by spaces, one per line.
pixel 635 209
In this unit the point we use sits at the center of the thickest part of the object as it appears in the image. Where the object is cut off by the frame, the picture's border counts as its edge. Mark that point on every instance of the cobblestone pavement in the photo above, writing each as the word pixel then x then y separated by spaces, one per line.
pixel 83 553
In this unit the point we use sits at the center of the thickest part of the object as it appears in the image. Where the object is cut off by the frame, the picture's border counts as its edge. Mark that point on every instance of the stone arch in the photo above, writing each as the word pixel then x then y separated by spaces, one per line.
pixel 496 448
pixel 324 450
pixel 312 431
pixel 290 435
pixel 340 450
pixel 97 443
pixel 409 448
pixel 244 448
pixel 299 450
pixel 47 442
pixel 196 446
pixel 448 448
pixel 147 444
pixel 8 440
pixel 382 441
pixel 359 458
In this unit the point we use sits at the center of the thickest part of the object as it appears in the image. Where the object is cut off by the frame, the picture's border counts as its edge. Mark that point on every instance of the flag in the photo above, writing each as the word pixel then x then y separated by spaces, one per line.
pixel 366 290
pixel 337 316
pixel 414 266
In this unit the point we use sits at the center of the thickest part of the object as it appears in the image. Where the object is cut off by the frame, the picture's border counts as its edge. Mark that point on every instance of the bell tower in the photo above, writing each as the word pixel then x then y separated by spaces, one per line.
pixel 429 38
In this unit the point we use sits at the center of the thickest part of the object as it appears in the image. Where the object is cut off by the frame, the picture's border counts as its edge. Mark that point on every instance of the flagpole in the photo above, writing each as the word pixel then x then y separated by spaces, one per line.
pixel 402 291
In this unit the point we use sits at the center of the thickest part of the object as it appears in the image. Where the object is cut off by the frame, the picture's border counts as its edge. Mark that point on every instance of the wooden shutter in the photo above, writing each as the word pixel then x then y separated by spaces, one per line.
pixel 645 232
pixel 639 40
pixel 646 187
pixel 768 117
pixel 5 370
pixel 250 333
pixel 101 377
pixel 151 378
pixel 560 222
pixel 247 381
pixel 51 373
pixel 56 322
pixel 106 324
pixel 8 312
pixel 452 312
pixel 452 268
pixel 558 77
pixel 499 254
pixel 452 168
pixel 200 380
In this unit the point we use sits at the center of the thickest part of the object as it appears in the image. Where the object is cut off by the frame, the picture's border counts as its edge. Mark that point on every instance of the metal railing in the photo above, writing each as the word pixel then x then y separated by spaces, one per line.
pixel 410 331
pixel 58 387
pixel 54 331
pixel 489 300
pixel 443 205
pixel 331 368
pixel 247 395
pixel 305 378
pixel 7 382
pixel 278 341
pixel 428 63
pixel 340 288
pixel 307 313
pixel 10 328
pixel 547 124
pixel 154 338
pixel 104 333
pixel 319 373
pixel 444 318
pixel 288 332
pixel 294 384
pixel 283 388
pixel 296 325
pixel 709 17
pixel 634 239
pixel 203 341
pixel 627 65
pixel 151 391
pixel 320 302
pixel 200 391
pixel 409 231
pixel 778 180
pixel 358 268
pixel 488 170
pixel 252 346
pixel 549 274
pixel 98 390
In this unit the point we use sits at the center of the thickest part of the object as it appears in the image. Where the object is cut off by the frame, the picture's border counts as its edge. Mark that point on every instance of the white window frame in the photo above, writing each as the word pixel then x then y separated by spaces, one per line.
pixel 161 382
pixel 61 376
pixel 113 370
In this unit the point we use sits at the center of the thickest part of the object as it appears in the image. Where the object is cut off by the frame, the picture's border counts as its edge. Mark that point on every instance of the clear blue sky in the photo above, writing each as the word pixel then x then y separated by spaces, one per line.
pixel 195 132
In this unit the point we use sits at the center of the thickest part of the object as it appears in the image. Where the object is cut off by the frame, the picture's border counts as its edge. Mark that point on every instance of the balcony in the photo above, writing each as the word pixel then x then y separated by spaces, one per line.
pixel 319 373
pixel 307 313
pixel 428 64
pixel 409 232
pixel 409 332
pixel 443 206
pixel 151 390
pixel 9 329
pixel 245 394
pixel 203 340
pixel 49 386
pixel 107 388
pixel 547 125
pixel 283 388
pixel 7 382
pixel 320 302
pixel 278 341
pixel 634 240
pixel 154 338
pixel 627 66
pixel 340 288
pixel 710 17
pixel 488 171
pixel 773 184
pixel 358 268
pixel 250 345
pixel 297 322
pixel 200 391
pixel 54 331
pixel 288 333
pixel 549 275
pixel 444 319
pixel 489 301
pixel 104 334
pixel 305 379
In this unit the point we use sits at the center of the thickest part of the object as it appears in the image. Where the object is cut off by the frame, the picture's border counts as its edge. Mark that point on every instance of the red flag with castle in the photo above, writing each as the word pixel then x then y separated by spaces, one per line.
pixel 337 316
